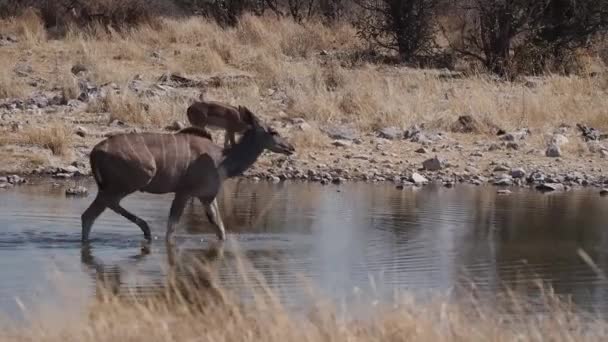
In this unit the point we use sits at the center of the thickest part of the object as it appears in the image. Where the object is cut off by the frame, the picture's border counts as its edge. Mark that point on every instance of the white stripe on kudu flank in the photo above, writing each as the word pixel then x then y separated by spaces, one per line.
pixel 176 156
pixel 143 141
pixel 133 151
pixel 186 140
pixel 162 152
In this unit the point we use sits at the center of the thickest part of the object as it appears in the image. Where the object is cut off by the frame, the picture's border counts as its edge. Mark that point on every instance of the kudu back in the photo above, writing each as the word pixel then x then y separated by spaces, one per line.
pixel 186 163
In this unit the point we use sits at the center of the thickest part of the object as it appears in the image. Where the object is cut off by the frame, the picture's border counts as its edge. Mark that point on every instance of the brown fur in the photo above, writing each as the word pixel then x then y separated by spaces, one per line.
pixel 218 115
pixel 188 164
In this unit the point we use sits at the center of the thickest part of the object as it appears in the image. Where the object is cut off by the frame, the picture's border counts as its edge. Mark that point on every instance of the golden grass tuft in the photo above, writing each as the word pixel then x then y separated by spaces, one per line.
pixel 193 305
pixel 11 86
pixel 56 136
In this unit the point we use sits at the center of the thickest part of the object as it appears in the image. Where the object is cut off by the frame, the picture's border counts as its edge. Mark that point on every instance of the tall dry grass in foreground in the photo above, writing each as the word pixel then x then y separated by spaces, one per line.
pixel 311 70
pixel 191 308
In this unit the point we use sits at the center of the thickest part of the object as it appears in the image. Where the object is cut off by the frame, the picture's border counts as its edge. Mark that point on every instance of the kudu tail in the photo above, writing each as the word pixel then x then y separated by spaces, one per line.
pixel 94 160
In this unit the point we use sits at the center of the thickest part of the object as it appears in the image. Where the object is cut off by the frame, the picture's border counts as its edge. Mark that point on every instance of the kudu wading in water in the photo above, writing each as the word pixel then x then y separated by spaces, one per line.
pixel 186 163
pixel 210 114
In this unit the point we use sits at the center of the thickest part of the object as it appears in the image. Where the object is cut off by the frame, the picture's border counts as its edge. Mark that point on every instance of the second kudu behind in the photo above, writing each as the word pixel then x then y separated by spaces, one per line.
pixel 211 114
pixel 186 163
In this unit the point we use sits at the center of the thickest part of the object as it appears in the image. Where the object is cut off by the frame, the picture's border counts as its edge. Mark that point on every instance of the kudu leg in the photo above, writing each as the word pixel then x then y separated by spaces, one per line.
pixel 177 208
pixel 143 225
pixel 90 215
pixel 213 214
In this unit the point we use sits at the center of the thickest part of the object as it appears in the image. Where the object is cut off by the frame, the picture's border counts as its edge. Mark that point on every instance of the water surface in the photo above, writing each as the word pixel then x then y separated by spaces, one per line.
pixel 366 237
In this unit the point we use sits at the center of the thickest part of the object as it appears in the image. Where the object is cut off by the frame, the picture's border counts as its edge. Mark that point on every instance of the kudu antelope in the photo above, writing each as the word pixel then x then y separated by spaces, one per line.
pixel 186 163
pixel 217 115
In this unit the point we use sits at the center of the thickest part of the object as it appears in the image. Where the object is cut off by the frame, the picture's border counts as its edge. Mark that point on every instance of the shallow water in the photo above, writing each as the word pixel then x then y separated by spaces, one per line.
pixel 373 238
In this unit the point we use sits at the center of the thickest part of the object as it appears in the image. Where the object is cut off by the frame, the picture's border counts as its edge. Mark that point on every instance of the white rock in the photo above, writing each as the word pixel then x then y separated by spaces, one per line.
pixel 418 178
pixel 559 140
pixel 550 187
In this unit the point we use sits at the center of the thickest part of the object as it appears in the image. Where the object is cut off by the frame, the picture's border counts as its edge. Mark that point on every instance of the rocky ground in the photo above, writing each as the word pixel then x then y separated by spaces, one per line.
pixel 566 157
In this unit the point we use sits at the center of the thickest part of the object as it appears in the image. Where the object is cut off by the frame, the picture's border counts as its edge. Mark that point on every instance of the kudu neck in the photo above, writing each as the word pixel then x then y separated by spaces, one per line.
pixel 241 156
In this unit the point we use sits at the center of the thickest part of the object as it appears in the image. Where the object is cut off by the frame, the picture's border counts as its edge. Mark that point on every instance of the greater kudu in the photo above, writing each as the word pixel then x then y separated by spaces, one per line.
pixel 186 163
pixel 217 115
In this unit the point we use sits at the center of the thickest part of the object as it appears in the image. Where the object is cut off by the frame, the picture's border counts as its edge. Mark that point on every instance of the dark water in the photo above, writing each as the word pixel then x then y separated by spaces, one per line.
pixel 339 240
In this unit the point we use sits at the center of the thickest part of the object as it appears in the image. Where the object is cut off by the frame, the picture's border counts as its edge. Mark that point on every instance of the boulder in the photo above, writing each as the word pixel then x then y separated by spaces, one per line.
pixel 546 187
pixel 433 164
pixel 553 151
pixel 418 179
pixel 390 133
pixel 518 173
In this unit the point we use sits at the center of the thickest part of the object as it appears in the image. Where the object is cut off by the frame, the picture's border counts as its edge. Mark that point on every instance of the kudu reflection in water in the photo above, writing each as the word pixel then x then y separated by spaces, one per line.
pixel 190 277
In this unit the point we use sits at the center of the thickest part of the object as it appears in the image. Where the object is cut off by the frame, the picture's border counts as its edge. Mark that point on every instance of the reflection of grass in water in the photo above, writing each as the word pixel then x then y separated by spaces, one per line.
pixel 188 310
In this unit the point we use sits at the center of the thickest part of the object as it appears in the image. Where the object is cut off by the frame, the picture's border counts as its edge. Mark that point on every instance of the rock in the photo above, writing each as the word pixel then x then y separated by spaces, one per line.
pixel 553 151
pixel 559 140
pixel 4 185
pixel 411 132
pixel 81 131
pixel 14 179
pixel 341 132
pixel 604 153
pixel 512 145
pixel 604 192
pixel 422 150
pixel 494 147
pixel 23 69
pixel 78 68
pixel 501 168
pixel 517 135
pixel 418 179
pixel 433 164
pixel 324 181
pixel 3 180
pixel 518 173
pixel 596 146
pixel 550 187
pixel 175 126
pixel 274 179
pixel 466 124
pixel 590 133
pixel 338 180
pixel 341 143
pixel 40 101
pixel 70 169
pixel 304 126
pixel 77 191
pixel 390 133
pixel 504 192
pixel 505 180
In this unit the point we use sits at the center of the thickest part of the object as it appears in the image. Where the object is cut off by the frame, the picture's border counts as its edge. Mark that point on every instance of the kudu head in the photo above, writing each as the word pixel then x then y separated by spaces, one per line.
pixel 264 134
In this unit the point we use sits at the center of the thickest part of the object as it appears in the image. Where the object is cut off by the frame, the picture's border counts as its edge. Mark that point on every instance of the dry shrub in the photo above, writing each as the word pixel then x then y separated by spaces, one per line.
pixel 10 85
pixel 193 305
pixel 56 136
pixel 145 111
pixel 31 27
pixel 303 41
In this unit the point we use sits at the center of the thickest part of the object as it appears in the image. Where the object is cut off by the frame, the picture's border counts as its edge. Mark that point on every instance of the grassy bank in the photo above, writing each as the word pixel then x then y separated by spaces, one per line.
pixel 313 71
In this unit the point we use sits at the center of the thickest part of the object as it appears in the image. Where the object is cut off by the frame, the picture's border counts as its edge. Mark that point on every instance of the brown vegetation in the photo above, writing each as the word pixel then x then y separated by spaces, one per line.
pixel 192 305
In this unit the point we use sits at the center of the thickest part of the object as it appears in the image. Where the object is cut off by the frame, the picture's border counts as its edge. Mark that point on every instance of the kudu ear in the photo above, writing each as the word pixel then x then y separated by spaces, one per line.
pixel 248 117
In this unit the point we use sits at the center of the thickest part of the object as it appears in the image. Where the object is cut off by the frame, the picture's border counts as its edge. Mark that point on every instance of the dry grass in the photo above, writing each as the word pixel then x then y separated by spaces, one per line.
pixel 285 56
pixel 196 308
pixel 56 136
pixel 128 107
